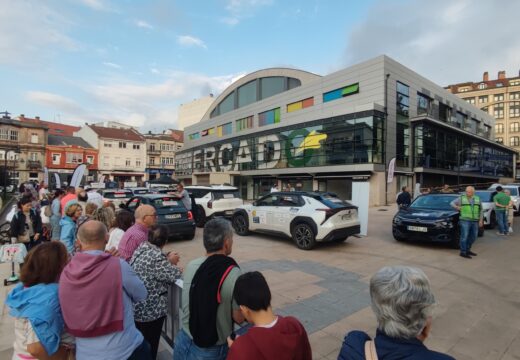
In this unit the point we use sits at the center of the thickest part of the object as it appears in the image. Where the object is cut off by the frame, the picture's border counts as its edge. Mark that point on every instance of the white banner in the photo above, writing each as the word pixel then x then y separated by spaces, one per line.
pixel 77 176
pixel 58 181
pixel 46 175
pixel 391 169
pixel 102 180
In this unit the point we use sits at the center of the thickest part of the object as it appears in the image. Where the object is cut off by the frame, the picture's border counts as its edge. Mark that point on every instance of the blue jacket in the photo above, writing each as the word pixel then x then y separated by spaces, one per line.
pixel 68 233
pixel 41 306
pixel 387 348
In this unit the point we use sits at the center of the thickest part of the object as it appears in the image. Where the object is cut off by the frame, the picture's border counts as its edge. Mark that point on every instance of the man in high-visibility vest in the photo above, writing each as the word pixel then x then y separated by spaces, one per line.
pixel 471 218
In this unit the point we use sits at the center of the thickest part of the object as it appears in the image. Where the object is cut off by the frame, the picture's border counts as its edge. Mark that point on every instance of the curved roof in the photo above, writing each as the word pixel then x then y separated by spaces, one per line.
pixel 304 77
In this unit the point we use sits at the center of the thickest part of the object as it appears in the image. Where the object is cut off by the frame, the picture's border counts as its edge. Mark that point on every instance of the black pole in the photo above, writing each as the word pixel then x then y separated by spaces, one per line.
pixel 5 175
pixel 385 139
pixel 458 169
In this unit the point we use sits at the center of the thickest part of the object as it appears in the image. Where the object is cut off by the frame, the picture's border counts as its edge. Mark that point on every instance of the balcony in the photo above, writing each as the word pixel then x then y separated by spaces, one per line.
pixel 153 151
pixel 34 164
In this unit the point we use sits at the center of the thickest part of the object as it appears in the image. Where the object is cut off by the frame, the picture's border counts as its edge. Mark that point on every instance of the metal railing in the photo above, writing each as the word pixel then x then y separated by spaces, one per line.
pixel 172 323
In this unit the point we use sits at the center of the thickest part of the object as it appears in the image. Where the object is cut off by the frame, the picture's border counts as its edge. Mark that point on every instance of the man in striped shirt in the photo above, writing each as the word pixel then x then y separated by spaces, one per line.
pixel 145 218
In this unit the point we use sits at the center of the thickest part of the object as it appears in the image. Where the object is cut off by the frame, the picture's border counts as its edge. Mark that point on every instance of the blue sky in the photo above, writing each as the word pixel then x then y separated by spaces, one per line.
pixel 77 61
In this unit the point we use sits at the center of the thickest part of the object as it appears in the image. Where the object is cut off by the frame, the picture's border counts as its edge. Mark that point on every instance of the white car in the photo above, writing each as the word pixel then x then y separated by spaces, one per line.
pixel 306 217
pixel 514 189
pixel 116 196
pixel 214 200
pixel 488 207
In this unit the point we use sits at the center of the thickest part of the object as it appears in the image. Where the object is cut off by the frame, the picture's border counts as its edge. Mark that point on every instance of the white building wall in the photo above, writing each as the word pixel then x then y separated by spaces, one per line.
pixel 192 112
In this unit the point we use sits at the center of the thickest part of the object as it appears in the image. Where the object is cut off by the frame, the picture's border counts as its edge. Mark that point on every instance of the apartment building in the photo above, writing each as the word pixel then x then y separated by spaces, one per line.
pixel 160 154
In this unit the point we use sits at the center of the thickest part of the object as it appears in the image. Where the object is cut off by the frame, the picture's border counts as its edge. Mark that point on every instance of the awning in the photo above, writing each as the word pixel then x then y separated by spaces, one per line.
pixel 126 174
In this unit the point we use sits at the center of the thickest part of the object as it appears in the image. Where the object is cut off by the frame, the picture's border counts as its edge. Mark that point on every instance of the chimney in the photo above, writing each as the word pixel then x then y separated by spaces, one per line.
pixel 501 75
pixel 37 118
pixel 485 77
pixel 22 116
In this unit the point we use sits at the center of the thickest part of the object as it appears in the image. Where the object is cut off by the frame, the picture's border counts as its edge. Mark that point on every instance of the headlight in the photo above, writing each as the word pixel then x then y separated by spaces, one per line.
pixel 397 220
pixel 444 223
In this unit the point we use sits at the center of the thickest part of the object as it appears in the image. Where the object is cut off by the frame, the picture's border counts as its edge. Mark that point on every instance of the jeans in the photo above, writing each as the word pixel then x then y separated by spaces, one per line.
pixel 503 228
pixel 185 349
pixel 142 352
pixel 151 331
pixel 468 235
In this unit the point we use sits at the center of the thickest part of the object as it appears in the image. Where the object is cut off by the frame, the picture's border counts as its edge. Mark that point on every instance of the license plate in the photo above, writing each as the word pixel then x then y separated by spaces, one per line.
pixel 229 212
pixel 173 216
pixel 417 228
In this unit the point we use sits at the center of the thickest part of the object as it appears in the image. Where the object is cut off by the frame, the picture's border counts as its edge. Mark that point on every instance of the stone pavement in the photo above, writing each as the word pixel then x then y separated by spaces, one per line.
pixel 478 300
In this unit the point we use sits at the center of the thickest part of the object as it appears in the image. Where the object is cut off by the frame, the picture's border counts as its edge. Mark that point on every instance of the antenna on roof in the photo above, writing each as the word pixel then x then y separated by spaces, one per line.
pixel 6 114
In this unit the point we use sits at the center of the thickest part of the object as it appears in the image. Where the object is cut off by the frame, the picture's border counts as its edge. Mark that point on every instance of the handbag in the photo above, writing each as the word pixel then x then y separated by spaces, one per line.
pixel 370 350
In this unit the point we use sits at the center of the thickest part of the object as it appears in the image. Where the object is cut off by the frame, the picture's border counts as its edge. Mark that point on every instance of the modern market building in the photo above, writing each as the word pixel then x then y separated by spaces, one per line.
pixel 310 132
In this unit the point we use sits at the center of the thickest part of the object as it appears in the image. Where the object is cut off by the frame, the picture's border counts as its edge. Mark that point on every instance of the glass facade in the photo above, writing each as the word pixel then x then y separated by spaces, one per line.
pixel 271 86
pixel 247 94
pixel 439 148
pixel 342 140
pixel 402 125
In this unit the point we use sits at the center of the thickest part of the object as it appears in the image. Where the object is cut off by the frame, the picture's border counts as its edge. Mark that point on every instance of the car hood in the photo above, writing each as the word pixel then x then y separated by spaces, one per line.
pixel 426 214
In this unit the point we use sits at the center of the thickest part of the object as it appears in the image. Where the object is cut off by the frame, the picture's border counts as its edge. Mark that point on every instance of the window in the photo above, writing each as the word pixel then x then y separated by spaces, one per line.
pixel 225 129
pixel 34 138
pixel 194 136
pixel 498 111
pixel 245 123
pixel 482 86
pixel 402 131
pixel 167 147
pixel 341 92
pixel 498 97
pixel 514 127
pixel 138 162
pixel 293 83
pixel 106 160
pixel 152 161
pixel 56 158
pixel 33 156
pixel 247 94
pixel 207 132
pixel 464 89
pixel 470 100
pixel 4 134
pixel 122 145
pixel 227 104
pixel 302 104
pixel 514 109
pixel 167 161
pixel 514 96
pixel 499 128
pixel 269 117
pixel 152 147
pixel 74 158
pixel 423 104
pixel 500 140
pixel 136 146
pixel 90 159
pixel 514 141
pixel 128 162
pixel 483 99
pixel 514 82
pixel 487 131
pixel 272 85
pixel 107 145
pixel 444 112
pixel 460 120
pixel 13 135
pixel 403 99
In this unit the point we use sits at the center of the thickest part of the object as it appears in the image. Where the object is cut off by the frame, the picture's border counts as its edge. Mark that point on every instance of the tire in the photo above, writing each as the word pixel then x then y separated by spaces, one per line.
pixel 303 236
pixel 455 242
pixel 240 224
pixel 201 217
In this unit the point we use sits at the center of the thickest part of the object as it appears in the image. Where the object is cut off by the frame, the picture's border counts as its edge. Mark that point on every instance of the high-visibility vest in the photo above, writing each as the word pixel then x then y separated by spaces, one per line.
pixel 468 211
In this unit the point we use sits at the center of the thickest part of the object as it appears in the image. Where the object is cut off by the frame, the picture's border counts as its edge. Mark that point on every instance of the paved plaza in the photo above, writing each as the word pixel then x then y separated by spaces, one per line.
pixel 478 306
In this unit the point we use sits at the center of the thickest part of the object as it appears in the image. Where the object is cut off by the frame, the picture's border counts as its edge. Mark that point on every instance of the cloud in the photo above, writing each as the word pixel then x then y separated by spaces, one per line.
pixel 143 24
pixel 112 65
pixel 155 71
pixel 445 41
pixel 55 101
pixel 240 9
pixel 32 32
pixel 98 5
pixel 187 40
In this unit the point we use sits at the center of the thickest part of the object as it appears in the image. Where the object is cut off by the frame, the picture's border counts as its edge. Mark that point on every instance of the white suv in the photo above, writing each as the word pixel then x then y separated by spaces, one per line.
pixel 307 217
pixel 214 200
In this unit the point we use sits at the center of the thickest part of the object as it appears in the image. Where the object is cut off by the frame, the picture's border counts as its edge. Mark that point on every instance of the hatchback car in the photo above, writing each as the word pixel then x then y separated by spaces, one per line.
pixel 115 196
pixel 306 217
pixel 430 218
pixel 170 212
pixel 214 200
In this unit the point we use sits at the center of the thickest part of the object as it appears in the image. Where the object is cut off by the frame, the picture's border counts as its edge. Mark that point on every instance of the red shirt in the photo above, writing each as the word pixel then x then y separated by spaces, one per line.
pixel 132 238
pixel 286 340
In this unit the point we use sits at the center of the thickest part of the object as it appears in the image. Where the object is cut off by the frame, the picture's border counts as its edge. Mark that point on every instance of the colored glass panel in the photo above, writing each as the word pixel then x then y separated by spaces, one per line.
pixel 308 102
pixel 349 90
pixel 269 117
pixel 332 95
pixel 294 106
pixel 341 92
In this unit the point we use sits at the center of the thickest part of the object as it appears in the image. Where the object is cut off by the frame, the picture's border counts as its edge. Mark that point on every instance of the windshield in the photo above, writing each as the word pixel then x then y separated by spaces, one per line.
pixel 117 195
pixel 166 201
pixel 485 196
pixel 433 202
pixel 513 190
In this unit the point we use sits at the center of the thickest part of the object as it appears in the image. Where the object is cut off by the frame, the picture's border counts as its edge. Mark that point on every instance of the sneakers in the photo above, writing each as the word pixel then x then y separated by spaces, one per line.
pixel 466 256
pixel 471 253
pixel 500 234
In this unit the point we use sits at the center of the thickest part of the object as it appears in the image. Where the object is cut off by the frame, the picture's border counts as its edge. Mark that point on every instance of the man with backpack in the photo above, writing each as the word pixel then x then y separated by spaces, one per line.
pixel 208 309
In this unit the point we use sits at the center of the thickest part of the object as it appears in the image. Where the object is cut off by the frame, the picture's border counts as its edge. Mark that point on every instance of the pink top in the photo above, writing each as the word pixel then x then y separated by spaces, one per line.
pixel 133 237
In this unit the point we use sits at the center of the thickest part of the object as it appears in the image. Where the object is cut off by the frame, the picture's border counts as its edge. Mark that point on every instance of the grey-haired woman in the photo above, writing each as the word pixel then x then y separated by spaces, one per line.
pixel 402 301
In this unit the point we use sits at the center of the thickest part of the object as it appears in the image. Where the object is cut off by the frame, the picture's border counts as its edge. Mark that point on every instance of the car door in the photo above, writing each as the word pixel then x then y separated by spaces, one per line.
pixel 263 213
pixel 286 209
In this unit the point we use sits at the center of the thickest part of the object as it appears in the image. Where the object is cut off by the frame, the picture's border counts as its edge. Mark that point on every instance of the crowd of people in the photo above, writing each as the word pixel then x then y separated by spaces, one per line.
pixel 95 285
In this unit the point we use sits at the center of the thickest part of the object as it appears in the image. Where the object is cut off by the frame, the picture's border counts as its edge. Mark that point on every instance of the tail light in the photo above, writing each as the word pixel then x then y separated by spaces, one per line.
pixel 328 214
pixel 210 204
pixel 190 215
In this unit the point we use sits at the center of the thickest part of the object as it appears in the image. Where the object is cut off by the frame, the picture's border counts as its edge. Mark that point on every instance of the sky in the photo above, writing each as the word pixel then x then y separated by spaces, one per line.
pixel 132 61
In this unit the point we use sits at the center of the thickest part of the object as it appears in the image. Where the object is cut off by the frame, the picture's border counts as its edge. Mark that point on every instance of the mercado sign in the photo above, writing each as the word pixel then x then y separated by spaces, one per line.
pixel 263 152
